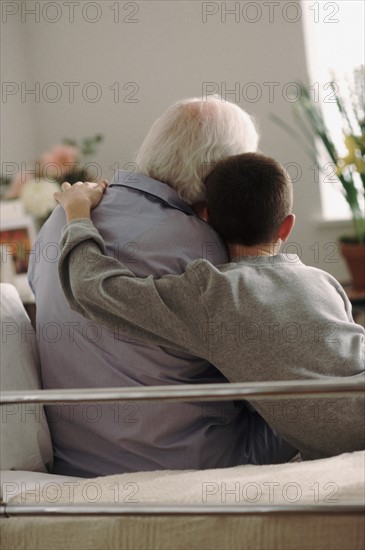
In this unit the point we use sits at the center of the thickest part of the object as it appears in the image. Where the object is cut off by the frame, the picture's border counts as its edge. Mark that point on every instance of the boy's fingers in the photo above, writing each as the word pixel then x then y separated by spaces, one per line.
pixel 100 186
pixel 103 185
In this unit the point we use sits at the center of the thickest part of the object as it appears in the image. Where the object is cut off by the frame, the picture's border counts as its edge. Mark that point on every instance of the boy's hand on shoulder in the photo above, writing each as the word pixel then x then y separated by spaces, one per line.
pixel 77 200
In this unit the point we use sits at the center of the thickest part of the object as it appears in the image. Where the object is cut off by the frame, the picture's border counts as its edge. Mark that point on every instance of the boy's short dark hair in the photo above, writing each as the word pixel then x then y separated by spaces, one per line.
pixel 248 198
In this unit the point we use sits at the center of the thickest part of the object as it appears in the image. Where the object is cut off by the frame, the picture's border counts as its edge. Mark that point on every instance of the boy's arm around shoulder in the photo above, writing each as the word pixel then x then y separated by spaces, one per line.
pixel 167 312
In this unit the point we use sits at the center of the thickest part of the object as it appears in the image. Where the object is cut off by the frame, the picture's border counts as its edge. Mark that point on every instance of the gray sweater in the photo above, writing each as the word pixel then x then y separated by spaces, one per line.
pixel 256 319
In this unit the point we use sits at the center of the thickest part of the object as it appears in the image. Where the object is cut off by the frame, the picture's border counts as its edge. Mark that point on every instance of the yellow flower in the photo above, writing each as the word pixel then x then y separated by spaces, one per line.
pixel 356 148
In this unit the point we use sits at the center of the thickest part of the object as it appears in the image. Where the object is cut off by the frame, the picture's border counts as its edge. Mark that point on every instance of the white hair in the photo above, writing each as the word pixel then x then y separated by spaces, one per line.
pixel 188 140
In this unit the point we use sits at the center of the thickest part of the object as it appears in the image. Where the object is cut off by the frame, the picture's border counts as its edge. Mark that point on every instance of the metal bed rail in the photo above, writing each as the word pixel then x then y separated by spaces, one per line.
pixel 29 510
pixel 297 389
pixel 253 391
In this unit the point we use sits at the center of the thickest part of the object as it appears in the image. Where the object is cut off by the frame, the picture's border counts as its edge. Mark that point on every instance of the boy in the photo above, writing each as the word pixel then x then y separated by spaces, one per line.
pixel 264 316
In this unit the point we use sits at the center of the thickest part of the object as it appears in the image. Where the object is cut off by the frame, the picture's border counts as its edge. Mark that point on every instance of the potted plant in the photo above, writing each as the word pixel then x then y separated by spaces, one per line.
pixel 350 169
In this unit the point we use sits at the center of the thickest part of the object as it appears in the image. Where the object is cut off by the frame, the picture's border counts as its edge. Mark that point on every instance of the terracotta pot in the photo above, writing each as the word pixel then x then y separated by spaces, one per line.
pixel 354 255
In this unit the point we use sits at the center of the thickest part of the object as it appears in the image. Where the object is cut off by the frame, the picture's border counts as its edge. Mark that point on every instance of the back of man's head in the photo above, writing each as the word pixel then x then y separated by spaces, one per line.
pixel 187 141
pixel 248 196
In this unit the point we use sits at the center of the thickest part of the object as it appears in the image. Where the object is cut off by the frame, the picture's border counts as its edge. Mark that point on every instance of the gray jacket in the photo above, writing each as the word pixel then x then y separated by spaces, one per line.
pixel 257 319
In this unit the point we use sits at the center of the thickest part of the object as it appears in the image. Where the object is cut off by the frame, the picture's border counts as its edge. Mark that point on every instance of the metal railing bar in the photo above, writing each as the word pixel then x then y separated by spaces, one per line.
pixel 12 510
pixel 188 392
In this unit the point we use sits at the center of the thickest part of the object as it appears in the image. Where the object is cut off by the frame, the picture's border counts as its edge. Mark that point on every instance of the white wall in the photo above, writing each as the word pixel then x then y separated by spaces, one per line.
pixel 169 53
pixel 18 124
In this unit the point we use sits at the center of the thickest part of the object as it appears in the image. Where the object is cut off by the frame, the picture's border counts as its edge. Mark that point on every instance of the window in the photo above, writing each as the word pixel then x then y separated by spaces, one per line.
pixel 334 36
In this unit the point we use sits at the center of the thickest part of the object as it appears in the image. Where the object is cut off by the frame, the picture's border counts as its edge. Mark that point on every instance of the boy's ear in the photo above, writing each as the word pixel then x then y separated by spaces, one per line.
pixel 286 227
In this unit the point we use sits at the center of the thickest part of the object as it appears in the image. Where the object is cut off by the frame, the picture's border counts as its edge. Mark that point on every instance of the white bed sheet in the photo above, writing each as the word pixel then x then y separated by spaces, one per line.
pixel 15 482
pixel 334 481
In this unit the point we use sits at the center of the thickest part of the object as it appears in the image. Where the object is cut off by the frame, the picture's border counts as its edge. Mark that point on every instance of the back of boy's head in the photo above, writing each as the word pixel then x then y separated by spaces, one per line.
pixel 248 198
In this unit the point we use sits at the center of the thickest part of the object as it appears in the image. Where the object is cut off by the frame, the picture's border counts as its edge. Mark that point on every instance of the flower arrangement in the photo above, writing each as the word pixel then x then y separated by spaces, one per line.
pixel 37 197
pixel 350 169
pixel 64 162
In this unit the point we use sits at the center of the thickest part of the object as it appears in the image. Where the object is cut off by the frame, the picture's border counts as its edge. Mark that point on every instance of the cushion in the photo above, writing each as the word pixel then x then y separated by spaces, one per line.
pixel 25 438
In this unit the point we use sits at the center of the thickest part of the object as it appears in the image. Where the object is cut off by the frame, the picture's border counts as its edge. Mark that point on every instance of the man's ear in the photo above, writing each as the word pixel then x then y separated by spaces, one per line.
pixel 205 213
pixel 286 227
pixel 201 210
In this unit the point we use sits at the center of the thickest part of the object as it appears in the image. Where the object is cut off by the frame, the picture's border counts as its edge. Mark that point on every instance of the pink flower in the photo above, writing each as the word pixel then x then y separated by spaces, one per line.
pixel 58 162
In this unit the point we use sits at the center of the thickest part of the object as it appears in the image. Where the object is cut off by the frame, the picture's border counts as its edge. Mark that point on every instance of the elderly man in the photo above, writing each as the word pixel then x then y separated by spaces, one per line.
pixel 150 221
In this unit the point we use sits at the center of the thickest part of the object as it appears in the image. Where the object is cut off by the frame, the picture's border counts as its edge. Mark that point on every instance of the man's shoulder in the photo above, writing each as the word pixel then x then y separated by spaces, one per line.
pixel 53 225
pixel 158 221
